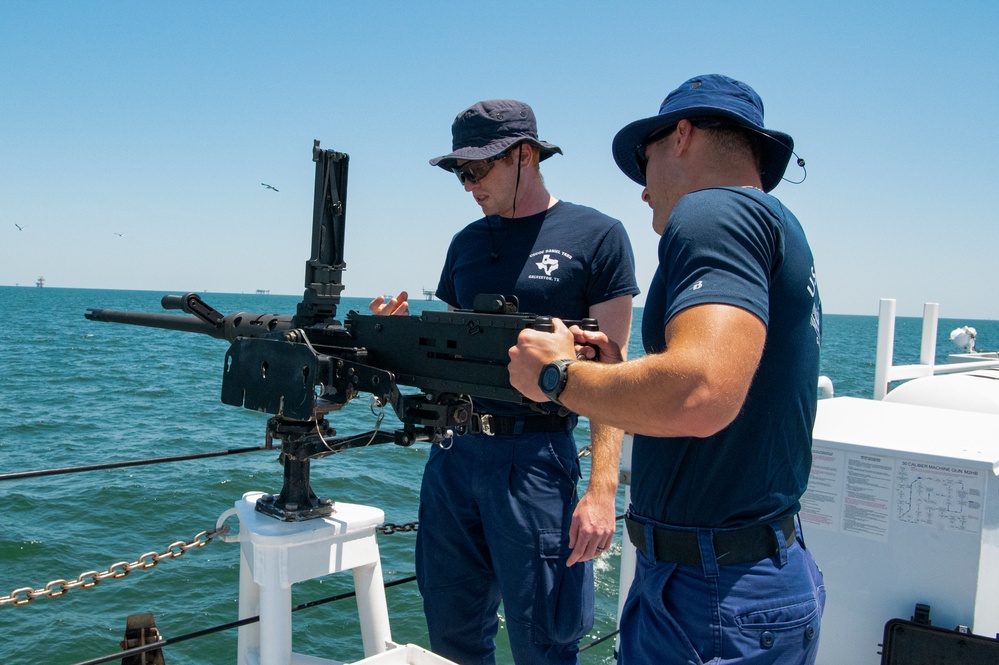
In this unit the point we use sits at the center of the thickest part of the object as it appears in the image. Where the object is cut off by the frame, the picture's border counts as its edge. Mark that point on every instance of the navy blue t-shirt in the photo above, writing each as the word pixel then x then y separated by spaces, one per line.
pixel 559 262
pixel 741 247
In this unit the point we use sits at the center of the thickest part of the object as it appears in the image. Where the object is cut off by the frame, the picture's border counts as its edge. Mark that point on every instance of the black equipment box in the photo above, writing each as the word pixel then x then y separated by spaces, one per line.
pixel 915 643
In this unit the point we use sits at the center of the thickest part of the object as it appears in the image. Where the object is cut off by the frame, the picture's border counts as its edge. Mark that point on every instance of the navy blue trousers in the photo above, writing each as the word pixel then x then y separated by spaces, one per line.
pixel 759 613
pixel 495 513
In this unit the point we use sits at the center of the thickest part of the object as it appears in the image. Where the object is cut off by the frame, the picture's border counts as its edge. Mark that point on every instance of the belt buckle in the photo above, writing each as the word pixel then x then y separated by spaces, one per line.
pixel 482 423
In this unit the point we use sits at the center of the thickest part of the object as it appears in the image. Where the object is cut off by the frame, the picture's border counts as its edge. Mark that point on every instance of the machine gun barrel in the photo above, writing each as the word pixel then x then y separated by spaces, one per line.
pixel 203 319
pixel 167 321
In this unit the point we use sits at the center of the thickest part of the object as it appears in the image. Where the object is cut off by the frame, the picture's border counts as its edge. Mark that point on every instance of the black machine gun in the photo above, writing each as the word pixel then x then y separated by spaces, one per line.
pixel 300 368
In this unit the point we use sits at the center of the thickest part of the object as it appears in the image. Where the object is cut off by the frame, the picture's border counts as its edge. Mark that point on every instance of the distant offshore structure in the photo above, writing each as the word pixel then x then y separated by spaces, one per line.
pixel 263 291
pixel 428 294
pixel 40 283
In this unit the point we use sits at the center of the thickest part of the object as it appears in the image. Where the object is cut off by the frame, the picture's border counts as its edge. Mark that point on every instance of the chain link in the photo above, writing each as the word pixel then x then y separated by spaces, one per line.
pixel 389 528
pixel 92 578
pixel 586 451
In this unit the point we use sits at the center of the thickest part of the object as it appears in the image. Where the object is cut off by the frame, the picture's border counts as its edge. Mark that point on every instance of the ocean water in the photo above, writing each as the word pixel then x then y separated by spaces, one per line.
pixel 75 392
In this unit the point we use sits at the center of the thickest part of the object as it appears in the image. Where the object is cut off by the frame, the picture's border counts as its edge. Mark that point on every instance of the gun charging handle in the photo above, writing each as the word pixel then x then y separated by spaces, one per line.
pixel 544 324
pixel 191 303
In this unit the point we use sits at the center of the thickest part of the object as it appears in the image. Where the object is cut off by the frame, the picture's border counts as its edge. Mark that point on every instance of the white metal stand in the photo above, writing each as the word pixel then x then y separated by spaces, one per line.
pixel 629 557
pixel 275 554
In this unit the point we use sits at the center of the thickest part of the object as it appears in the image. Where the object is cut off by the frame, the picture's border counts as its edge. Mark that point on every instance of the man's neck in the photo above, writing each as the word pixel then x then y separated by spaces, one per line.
pixel 531 202
pixel 726 174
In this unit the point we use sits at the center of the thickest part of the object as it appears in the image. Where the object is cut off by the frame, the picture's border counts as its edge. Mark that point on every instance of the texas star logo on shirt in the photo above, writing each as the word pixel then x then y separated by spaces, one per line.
pixel 547 261
pixel 547 264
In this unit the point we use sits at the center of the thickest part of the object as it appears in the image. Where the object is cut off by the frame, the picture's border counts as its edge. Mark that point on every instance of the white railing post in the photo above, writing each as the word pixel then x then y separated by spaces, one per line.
pixel 886 346
pixel 928 348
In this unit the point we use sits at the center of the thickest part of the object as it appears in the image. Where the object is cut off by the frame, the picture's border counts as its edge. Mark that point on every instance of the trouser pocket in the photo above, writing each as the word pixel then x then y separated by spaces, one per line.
pixel 789 632
pixel 563 603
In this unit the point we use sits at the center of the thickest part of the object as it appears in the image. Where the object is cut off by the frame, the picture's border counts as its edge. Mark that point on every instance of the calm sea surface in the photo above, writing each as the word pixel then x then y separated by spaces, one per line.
pixel 75 392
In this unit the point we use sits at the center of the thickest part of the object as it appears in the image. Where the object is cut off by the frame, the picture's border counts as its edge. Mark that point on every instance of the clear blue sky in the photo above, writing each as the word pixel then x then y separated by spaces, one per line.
pixel 160 120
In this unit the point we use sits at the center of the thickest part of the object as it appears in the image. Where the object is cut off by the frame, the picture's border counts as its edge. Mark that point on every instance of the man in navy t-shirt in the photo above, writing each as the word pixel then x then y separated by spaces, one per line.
pixel 499 514
pixel 722 406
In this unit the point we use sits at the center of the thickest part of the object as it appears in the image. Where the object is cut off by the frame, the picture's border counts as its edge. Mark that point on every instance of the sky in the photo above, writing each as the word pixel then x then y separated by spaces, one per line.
pixel 134 136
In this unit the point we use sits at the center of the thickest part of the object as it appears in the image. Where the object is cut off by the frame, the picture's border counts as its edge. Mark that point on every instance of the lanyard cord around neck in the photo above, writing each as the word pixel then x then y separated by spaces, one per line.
pixel 494 257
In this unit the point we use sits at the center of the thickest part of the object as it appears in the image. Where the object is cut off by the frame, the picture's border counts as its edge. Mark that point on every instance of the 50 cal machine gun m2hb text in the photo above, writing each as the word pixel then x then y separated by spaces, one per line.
pixel 302 367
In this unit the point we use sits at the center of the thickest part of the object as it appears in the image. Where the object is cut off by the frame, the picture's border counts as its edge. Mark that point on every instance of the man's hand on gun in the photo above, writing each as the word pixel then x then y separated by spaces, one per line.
pixel 398 305
pixel 535 349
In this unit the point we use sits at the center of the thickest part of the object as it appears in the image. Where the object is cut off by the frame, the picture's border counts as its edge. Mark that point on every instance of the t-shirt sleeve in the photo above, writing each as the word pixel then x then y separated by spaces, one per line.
pixel 719 251
pixel 612 270
pixel 445 286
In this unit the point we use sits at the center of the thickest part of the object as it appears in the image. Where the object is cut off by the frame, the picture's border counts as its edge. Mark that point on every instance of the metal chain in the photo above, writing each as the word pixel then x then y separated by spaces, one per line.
pixel 389 528
pixel 586 451
pixel 92 578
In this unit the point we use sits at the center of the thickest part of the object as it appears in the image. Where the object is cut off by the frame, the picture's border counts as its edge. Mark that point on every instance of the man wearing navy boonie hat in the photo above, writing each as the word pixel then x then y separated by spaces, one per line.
pixel 722 405
pixel 490 128
pixel 500 518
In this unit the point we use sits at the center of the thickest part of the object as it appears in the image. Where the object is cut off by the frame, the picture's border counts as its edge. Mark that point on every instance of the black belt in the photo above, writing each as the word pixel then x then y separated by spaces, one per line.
pixel 488 424
pixel 752 543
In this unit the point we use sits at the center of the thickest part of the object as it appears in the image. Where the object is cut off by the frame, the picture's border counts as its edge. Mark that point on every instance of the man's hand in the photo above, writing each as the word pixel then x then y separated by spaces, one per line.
pixel 398 305
pixel 534 350
pixel 588 342
pixel 592 530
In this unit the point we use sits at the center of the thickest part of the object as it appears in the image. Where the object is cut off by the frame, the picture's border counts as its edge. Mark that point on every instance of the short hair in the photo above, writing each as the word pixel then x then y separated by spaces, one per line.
pixel 731 138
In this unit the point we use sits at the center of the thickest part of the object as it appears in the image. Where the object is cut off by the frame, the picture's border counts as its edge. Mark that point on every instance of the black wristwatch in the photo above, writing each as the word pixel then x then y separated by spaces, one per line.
pixel 553 378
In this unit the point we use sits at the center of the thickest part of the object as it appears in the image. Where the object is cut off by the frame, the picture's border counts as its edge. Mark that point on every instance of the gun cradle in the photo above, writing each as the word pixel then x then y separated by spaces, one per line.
pixel 443 354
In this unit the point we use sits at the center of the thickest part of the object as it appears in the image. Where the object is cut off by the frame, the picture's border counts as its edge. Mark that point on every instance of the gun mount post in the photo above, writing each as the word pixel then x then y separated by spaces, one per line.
pixel 302 442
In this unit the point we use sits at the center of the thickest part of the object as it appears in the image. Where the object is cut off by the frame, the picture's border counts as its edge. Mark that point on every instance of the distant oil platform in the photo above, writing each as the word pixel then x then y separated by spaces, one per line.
pixel 428 294
pixel 263 291
pixel 40 283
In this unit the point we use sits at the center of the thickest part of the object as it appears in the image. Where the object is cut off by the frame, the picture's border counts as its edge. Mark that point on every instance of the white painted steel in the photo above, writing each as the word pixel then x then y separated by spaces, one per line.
pixel 886 347
pixel 970 391
pixel 628 554
pixel 928 342
pixel 902 508
pixel 275 554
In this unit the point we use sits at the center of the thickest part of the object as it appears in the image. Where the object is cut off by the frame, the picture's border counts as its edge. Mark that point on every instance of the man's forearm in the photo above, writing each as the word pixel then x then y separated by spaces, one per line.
pixel 615 396
pixel 605 459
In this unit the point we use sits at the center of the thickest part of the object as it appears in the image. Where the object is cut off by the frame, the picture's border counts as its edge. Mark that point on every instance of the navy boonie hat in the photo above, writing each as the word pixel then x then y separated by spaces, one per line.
pixel 712 95
pixel 490 127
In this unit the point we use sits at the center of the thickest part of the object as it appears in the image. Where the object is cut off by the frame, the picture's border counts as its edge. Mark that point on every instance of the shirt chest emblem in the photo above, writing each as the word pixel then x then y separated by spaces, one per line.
pixel 547 264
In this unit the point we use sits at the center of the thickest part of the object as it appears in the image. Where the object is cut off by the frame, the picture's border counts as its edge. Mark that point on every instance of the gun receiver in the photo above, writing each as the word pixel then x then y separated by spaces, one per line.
pixel 299 368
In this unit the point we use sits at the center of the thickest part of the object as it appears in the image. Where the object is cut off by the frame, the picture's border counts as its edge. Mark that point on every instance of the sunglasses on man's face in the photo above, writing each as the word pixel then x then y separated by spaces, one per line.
pixel 640 157
pixel 475 171
pixel 660 134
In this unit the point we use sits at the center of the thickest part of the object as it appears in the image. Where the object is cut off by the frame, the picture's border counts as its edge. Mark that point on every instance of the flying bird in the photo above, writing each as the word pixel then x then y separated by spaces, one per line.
pixel 118 234
pixel 19 227
pixel 270 187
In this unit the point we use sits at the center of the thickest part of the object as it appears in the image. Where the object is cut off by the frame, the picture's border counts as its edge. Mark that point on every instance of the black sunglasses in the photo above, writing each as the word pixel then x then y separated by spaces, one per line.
pixel 643 161
pixel 475 171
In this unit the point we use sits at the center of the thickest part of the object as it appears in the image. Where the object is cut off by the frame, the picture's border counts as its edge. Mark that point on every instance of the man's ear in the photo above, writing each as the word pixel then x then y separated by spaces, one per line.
pixel 525 152
pixel 684 133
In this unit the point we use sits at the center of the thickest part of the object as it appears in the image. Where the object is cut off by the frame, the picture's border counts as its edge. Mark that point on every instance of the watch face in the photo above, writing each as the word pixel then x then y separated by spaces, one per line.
pixel 549 378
